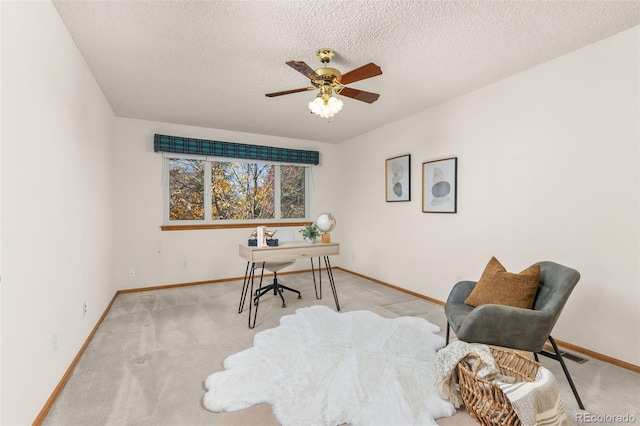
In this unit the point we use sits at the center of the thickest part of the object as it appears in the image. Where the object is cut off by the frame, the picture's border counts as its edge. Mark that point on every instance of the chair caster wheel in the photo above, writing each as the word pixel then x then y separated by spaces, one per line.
pixel 284 305
pixel 299 297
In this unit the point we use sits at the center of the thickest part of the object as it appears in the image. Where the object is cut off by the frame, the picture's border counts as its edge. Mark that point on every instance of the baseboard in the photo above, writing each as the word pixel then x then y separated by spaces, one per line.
pixel 45 409
pixel 598 356
pixel 166 286
pixel 188 284
pixel 404 290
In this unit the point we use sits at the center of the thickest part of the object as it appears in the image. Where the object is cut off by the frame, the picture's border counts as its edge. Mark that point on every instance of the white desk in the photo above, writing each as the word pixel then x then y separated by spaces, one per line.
pixel 257 256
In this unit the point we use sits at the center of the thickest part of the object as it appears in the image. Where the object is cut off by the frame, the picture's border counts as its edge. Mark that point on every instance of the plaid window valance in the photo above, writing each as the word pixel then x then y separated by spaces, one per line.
pixel 164 143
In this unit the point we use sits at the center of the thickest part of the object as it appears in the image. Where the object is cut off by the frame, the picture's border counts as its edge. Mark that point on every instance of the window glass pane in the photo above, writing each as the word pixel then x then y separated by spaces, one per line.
pixel 186 189
pixel 292 192
pixel 242 191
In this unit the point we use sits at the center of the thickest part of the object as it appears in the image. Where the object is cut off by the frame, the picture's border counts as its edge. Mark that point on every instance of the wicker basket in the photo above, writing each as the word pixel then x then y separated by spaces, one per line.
pixel 483 399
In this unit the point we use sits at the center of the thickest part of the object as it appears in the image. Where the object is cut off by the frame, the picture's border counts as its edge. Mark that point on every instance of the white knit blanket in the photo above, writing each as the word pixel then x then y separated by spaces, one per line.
pixel 444 368
pixel 537 402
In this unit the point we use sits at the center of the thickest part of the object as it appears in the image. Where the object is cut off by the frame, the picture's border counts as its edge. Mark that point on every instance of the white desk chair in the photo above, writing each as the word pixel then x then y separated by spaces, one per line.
pixel 275 286
pixel 278 289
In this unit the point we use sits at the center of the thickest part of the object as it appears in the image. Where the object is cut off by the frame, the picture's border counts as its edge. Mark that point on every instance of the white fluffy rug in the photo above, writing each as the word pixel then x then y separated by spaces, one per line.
pixel 320 367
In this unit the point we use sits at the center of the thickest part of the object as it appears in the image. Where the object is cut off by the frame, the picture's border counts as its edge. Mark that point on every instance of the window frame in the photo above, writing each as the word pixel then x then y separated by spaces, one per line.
pixel 208 222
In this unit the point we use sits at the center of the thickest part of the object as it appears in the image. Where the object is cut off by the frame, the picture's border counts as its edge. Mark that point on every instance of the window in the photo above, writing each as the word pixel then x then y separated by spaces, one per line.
pixel 186 186
pixel 209 192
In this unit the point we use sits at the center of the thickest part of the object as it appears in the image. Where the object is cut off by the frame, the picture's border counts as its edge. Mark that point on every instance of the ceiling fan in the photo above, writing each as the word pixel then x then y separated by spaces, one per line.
pixel 330 81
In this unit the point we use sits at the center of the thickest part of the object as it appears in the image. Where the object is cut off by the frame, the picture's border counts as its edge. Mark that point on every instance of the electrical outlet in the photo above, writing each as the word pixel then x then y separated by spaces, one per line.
pixel 54 342
pixel 84 309
pixel 132 273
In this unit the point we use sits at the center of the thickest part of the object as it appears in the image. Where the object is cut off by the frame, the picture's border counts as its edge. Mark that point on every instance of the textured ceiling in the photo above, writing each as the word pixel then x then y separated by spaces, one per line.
pixel 209 63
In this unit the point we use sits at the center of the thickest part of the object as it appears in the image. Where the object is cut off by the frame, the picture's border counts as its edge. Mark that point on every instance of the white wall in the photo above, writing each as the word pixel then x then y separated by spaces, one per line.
pixel 157 256
pixel 548 170
pixel 57 205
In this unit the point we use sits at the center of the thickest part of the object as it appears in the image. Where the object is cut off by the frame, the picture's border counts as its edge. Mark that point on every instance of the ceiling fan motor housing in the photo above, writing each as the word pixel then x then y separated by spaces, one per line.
pixel 330 76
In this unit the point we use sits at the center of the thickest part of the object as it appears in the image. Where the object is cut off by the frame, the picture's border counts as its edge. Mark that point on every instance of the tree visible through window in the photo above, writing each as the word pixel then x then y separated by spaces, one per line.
pixel 242 191
pixel 238 191
pixel 186 181
pixel 292 195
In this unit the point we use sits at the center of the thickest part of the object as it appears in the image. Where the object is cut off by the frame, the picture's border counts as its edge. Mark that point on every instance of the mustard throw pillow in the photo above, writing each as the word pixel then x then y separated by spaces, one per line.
pixel 499 287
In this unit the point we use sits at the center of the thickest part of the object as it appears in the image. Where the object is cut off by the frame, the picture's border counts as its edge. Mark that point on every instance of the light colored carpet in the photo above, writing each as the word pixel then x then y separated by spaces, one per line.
pixel 148 360
pixel 353 367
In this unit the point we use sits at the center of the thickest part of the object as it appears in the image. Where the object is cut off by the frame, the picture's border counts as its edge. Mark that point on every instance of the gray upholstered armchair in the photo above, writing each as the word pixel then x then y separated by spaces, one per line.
pixel 515 328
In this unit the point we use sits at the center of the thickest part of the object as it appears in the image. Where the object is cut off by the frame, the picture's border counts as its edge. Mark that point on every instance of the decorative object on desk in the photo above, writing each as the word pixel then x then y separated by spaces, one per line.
pixel 272 242
pixel 439 185
pixel 261 234
pixel 262 238
pixel 398 178
pixel 326 223
pixel 252 242
pixel 354 367
pixel 310 233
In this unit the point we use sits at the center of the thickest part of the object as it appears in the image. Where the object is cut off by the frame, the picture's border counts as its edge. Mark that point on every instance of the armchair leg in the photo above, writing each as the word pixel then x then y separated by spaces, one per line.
pixel 448 330
pixel 558 357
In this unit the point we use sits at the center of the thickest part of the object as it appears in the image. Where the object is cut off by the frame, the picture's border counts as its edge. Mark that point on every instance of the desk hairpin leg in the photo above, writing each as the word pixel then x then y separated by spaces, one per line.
pixel 327 265
pixel 247 287
pixel 313 271
pixel 255 299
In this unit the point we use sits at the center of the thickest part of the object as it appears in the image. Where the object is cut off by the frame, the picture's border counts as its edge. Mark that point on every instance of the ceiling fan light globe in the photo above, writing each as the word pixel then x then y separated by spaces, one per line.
pixel 326 109
pixel 316 105
pixel 335 104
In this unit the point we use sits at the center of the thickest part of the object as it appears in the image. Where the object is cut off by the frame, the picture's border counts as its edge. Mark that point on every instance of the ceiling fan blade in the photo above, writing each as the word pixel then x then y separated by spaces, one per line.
pixel 365 71
pixel 303 68
pixel 359 95
pixel 288 92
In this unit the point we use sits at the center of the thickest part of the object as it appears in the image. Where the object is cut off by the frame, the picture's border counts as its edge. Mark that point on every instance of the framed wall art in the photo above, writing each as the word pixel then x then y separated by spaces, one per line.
pixel 398 178
pixel 440 185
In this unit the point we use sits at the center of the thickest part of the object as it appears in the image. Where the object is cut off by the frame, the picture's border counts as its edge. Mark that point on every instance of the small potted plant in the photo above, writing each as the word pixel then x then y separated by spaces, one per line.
pixel 310 233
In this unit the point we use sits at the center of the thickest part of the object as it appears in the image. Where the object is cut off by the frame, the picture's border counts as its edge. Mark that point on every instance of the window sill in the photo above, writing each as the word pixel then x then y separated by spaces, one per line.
pixel 230 226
